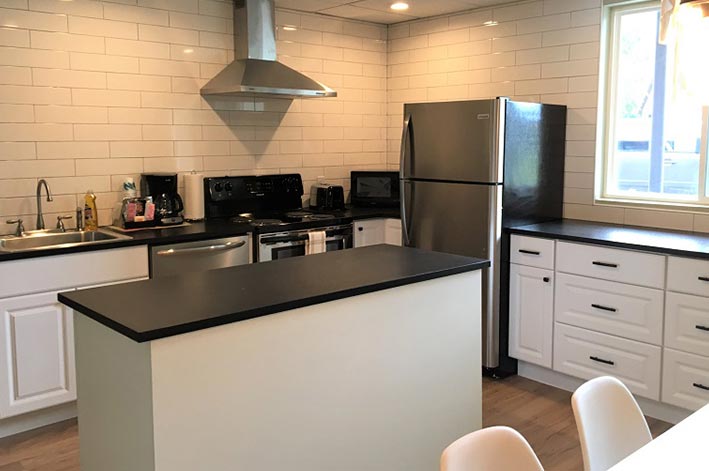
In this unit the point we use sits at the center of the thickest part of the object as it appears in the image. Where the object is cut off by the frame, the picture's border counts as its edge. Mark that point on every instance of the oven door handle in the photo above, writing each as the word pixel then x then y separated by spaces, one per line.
pixel 302 238
pixel 203 249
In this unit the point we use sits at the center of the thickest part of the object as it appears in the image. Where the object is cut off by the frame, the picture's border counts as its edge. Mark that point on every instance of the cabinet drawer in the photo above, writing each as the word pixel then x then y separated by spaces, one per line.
pixel 687 323
pixel 687 275
pixel 606 306
pixel 532 251
pixel 585 354
pixel 60 272
pixel 626 266
pixel 685 379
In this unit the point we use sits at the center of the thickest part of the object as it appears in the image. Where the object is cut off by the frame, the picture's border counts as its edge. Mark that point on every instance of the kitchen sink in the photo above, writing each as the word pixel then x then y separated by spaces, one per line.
pixel 40 240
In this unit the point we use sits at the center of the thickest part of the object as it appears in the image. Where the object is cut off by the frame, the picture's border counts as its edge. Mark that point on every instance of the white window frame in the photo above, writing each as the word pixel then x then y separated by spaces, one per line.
pixel 609 34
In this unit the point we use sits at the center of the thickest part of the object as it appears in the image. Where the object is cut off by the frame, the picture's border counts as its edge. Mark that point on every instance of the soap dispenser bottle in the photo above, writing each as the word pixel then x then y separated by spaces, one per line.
pixel 90 212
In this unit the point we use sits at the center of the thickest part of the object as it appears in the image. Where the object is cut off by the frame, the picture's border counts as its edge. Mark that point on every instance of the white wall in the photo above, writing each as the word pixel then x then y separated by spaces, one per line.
pixel 93 91
pixel 538 51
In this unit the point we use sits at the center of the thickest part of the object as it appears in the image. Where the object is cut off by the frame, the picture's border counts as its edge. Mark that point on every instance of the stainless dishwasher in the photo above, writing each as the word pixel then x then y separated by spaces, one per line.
pixel 175 259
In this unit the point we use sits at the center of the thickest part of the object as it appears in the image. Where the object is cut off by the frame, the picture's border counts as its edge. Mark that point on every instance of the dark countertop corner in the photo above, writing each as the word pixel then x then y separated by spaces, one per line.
pixel 670 242
pixel 163 307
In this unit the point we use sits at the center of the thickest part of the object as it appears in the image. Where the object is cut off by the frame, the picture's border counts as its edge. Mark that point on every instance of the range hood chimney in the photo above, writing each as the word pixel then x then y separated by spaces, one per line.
pixel 255 70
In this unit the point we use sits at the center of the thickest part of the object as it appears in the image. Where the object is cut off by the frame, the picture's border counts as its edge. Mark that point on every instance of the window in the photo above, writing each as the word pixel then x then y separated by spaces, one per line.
pixel 654 141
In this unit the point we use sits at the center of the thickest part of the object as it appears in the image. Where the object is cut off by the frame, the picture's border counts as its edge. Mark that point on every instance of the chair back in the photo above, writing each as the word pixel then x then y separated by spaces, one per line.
pixel 490 449
pixel 610 423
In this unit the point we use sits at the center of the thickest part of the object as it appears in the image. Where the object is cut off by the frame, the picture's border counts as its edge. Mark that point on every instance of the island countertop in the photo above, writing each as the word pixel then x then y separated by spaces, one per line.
pixel 163 307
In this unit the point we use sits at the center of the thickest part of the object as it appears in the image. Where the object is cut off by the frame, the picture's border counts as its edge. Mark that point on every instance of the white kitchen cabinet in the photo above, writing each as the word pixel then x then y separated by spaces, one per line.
pixel 685 379
pixel 37 356
pixel 613 308
pixel 37 363
pixel 392 231
pixel 625 266
pixel 587 354
pixel 531 314
pixel 377 231
pixel 532 251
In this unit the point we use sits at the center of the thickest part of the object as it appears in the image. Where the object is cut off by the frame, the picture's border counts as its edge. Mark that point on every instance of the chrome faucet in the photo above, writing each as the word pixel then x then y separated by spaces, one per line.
pixel 40 217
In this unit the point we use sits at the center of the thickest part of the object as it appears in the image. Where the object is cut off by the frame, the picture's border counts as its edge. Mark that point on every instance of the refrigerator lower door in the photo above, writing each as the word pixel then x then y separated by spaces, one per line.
pixel 463 219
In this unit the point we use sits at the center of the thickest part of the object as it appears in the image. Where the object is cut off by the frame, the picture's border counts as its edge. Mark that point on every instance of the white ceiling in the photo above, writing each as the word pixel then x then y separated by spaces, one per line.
pixel 378 11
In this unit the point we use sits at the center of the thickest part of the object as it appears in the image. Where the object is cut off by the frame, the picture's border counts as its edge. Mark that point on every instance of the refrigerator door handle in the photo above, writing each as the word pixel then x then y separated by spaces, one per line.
pixel 406 135
pixel 406 239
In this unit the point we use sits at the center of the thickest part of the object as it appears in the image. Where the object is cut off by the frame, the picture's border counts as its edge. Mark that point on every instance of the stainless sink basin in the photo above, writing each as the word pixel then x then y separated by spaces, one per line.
pixel 41 240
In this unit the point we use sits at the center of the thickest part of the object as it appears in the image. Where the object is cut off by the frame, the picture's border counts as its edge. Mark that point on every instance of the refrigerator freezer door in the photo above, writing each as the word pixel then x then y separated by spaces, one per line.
pixel 453 141
pixel 463 219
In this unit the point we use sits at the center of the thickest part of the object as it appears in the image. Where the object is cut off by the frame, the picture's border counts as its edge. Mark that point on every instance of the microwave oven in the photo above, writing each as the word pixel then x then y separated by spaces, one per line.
pixel 375 189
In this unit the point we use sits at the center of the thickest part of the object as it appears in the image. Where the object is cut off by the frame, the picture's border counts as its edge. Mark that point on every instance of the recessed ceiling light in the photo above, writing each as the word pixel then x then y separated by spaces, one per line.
pixel 289 28
pixel 188 51
pixel 491 23
pixel 399 6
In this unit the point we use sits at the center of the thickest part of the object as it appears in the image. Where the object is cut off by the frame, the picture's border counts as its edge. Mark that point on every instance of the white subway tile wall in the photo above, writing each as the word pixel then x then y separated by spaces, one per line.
pixel 542 50
pixel 95 91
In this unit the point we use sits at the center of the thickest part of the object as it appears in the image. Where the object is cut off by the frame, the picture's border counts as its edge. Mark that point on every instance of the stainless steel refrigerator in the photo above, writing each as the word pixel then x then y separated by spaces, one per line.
pixel 468 170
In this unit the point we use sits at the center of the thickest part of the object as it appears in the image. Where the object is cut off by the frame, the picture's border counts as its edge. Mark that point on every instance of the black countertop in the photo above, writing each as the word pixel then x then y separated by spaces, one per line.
pixel 203 230
pixel 682 243
pixel 167 306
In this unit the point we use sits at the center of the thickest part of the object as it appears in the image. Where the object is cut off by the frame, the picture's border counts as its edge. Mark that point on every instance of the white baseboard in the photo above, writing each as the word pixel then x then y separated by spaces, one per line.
pixel 33 420
pixel 654 409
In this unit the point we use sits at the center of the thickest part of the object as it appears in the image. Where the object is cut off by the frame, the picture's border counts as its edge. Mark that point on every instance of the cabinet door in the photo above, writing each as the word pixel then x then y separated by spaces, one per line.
pixel 531 314
pixel 37 361
pixel 392 231
pixel 369 232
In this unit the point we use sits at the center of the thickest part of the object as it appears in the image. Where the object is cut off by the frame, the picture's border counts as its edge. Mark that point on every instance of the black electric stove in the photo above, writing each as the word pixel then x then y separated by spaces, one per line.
pixel 273 205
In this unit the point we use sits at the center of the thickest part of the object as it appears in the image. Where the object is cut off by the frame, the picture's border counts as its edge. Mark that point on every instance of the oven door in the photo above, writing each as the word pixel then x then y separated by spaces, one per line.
pixel 292 244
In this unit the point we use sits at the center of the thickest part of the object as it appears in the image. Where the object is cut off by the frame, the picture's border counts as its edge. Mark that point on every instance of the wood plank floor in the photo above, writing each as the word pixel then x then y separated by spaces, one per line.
pixel 541 413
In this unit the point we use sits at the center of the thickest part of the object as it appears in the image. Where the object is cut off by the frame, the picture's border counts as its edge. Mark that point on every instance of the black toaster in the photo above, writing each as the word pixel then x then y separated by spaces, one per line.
pixel 326 197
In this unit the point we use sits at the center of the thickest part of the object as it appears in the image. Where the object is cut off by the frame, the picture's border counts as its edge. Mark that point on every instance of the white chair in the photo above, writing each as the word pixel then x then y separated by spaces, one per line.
pixel 490 449
pixel 610 423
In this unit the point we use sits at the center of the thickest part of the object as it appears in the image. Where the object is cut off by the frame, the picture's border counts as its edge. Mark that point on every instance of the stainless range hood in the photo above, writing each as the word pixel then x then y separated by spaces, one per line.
pixel 255 70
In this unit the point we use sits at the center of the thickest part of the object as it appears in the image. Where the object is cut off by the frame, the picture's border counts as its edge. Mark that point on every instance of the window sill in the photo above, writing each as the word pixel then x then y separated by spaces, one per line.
pixel 678 207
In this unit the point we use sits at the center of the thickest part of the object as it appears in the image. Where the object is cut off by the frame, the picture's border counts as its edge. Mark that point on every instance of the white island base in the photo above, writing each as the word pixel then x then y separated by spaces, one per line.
pixel 382 381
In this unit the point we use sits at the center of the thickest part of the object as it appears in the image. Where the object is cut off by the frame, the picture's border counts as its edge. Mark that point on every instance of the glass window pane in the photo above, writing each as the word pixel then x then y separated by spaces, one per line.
pixel 655 141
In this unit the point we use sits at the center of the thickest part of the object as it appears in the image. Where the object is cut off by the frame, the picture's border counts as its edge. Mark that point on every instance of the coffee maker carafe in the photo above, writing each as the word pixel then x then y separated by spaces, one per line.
pixel 163 189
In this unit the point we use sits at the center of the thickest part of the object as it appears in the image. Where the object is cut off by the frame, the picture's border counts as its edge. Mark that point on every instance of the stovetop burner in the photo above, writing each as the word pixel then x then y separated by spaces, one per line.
pixel 265 222
pixel 308 216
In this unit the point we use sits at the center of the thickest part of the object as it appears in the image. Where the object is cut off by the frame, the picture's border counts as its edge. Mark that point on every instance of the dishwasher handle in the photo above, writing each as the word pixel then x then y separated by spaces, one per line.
pixel 203 249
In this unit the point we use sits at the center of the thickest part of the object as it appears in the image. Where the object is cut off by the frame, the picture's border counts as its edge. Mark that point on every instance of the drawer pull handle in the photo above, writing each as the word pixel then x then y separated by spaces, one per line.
pixel 604 308
pixel 601 360
pixel 702 327
pixel 605 264
pixel 531 252
pixel 703 278
pixel 700 386
pixel 546 279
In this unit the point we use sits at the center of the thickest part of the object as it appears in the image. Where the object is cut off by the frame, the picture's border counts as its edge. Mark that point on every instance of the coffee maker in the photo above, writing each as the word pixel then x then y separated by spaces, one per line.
pixel 162 187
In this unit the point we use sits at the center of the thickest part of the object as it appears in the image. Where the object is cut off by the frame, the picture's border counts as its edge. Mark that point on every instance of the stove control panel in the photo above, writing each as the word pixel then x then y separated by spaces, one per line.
pixel 226 195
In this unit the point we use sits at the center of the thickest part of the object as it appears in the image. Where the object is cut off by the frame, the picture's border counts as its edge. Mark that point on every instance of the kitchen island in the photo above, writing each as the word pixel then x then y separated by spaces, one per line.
pixel 362 359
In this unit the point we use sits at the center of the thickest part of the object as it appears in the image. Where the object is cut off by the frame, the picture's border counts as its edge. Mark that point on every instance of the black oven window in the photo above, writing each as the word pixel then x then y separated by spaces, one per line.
pixel 288 252
pixel 374 187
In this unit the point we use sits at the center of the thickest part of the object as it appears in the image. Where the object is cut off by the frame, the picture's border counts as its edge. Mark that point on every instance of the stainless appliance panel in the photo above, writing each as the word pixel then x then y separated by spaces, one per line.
pixel 276 246
pixel 463 219
pixel 452 141
pixel 175 259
